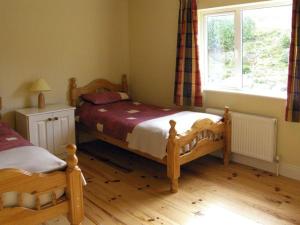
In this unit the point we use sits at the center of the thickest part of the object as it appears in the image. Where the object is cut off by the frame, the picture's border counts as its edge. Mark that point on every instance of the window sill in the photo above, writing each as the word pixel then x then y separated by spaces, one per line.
pixel 239 92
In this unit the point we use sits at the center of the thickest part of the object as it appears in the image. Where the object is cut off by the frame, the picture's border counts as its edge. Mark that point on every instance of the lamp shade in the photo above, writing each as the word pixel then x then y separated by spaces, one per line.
pixel 40 85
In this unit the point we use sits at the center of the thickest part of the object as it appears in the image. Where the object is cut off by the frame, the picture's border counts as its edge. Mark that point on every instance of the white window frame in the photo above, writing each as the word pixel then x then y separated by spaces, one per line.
pixel 202 38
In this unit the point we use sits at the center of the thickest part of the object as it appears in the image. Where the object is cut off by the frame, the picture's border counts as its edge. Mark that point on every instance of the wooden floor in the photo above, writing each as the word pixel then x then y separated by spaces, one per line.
pixel 127 189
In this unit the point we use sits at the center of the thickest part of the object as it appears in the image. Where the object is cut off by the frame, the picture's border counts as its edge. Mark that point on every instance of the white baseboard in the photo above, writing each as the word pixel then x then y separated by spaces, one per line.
pixel 286 170
pixel 290 171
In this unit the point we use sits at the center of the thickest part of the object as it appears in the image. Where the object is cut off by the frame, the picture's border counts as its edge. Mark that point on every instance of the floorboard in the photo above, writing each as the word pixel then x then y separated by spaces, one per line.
pixel 126 189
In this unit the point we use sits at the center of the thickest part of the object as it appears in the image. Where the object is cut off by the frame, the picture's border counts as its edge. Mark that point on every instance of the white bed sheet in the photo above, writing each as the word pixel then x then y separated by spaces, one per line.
pixel 151 136
pixel 30 158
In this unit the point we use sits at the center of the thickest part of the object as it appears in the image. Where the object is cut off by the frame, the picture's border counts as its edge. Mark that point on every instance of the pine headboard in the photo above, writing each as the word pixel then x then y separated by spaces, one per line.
pixel 75 92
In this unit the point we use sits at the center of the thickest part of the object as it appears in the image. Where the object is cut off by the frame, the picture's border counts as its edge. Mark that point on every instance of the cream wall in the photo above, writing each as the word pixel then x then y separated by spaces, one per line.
pixel 153 29
pixel 57 39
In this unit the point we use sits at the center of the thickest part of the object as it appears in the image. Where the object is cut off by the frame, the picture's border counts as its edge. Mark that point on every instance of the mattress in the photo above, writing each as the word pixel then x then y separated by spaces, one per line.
pixel 10 199
pixel 144 127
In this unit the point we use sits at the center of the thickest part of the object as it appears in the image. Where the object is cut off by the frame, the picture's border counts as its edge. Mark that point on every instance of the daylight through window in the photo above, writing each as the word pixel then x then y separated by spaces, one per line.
pixel 247 48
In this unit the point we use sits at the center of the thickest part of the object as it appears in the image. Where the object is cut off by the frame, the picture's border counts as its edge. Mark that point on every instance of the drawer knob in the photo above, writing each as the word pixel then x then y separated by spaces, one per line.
pixel 49 119
pixel 55 118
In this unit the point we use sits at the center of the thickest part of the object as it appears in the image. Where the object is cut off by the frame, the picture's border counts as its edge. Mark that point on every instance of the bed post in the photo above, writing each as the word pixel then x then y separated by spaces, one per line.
pixel 124 83
pixel 74 188
pixel 73 85
pixel 227 147
pixel 173 167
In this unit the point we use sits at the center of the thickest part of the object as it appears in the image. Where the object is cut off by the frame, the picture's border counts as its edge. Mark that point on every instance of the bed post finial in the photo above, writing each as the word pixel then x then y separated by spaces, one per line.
pixel 226 109
pixel 73 86
pixel 124 83
pixel 227 136
pixel 173 166
pixel 74 187
pixel 72 159
pixel 172 131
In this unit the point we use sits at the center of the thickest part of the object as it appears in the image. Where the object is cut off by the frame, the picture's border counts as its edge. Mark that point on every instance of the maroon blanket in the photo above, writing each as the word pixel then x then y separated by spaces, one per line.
pixel 118 119
pixel 10 139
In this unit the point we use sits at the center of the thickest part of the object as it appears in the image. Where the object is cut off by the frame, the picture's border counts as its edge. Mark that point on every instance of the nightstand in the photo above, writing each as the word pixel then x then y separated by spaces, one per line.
pixel 52 127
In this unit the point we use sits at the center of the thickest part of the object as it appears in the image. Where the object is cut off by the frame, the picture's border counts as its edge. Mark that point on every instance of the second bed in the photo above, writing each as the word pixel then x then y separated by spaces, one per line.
pixel 169 136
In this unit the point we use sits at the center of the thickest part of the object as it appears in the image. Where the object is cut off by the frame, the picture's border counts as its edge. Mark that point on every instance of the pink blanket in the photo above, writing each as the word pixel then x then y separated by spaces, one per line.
pixel 118 119
pixel 10 139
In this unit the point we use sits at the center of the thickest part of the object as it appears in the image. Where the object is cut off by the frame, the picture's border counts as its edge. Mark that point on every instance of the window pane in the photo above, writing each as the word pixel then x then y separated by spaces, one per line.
pixel 220 51
pixel 266 41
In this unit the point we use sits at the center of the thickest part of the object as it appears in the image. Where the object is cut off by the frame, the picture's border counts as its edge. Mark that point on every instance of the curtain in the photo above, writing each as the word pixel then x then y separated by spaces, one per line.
pixel 293 100
pixel 187 91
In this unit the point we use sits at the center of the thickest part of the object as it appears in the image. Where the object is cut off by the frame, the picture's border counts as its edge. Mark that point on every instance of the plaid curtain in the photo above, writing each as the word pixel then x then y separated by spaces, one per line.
pixel 293 101
pixel 187 89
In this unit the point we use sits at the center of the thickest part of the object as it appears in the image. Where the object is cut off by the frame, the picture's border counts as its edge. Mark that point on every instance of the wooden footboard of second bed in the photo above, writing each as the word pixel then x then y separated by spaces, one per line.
pixel 203 138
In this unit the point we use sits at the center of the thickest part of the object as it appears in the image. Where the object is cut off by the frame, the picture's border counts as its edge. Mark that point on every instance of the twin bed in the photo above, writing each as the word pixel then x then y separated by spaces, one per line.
pixel 36 186
pixel 168 136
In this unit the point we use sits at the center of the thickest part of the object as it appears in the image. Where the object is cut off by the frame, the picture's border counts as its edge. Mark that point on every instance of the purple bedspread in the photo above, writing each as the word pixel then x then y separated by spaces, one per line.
pixel 10 138
pixel 118 119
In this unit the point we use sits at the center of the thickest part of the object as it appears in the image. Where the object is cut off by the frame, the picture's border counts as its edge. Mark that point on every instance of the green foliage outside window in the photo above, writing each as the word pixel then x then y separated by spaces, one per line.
pixel 265 52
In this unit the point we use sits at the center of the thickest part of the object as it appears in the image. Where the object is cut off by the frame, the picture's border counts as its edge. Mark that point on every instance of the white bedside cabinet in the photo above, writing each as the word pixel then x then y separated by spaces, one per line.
pixel 51 128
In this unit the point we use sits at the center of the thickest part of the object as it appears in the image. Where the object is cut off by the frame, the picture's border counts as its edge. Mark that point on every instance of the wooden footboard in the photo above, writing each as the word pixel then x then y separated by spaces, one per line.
pixel 204 137
pixel 38 184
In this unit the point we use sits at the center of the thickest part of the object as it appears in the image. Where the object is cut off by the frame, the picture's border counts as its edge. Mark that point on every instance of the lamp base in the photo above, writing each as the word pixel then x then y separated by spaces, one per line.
pixel 41 103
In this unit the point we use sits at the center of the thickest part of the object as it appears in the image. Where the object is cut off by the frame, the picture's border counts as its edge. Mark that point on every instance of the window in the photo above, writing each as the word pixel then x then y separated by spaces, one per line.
pixel 246 48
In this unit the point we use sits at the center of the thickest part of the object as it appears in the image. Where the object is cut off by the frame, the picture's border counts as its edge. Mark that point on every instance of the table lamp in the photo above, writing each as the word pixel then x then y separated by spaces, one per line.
pixel 40 86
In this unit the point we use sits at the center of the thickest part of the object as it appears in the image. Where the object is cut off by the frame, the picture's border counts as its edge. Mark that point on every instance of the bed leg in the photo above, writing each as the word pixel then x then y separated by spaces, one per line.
pixel 227 147
pixel 173 166
pixel 174 185
pixel 74 188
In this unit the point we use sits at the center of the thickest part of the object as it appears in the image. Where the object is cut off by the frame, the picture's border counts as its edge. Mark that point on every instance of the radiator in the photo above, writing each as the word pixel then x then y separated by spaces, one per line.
pixel 252 135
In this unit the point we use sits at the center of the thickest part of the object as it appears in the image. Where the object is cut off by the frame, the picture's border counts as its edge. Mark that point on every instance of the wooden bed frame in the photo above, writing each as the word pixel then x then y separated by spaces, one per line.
pixel 174 158
pixel 37 184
